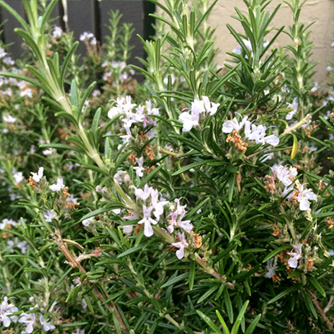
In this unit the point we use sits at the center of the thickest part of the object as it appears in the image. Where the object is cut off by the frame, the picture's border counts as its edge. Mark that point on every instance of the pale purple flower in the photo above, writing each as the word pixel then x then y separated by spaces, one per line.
pixel 5 312
pixel 186 225
pixel 8 61
pixel 271 269
pixel 180 209
pixel 86 36
pixel 87 221
pixel 83 303
pixel 147 221
pixel 129 228
pixel 172 222
pixel 28 320
pixel 2 52
pixel 47 326
pixel 52 306
pixel 139 170
pixel 150 110
pixel 182 244
pixel 57 31
pixel 48 151
pixel 58 186
pixel 23 246
pixel 157 204
pixel 49 215
pixel 145 193
pixel 118 176
pixel 78 331
pixel 294 107
pixel 315 87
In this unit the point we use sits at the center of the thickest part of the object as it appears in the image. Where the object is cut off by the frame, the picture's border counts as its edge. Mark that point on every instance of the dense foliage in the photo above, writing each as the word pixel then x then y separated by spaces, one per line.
pixel 199 201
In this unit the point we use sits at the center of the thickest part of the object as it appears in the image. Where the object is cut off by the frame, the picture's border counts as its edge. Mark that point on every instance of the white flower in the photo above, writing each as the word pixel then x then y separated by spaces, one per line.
pixel 52 306
pixel 229 126
pixel 18 177
pixel 189 120
pixel 5 311
pixel 48 151
pixel 150 110
pixel 87 221
pixel 329 68
pixel 28 320
pixel 8 61
pixel 182 244
pixel 86 36
pixel 37 176
pixel 57 31
pixel 315 87
pixel 211 108
pixel 128 228
pixel 45 324
pixel 2 52
pixel 286 174
pixel 139 170
pixel 271 269
pixel 304 196
pixel 49 214
pixel 293 261
pixel 58 186
pixel 145 193
pixel 147 221
pixel 157 204
pixel 23 246
pixel 294 107
pixel 9 119
pixel 271 140
pixel 26 92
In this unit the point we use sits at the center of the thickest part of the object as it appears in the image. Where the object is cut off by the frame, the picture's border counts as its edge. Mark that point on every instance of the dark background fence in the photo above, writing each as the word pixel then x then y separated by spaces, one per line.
pixel 87 15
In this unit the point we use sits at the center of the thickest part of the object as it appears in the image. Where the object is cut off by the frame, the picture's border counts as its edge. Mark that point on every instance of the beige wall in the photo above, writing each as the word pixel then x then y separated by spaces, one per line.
pixel 322 34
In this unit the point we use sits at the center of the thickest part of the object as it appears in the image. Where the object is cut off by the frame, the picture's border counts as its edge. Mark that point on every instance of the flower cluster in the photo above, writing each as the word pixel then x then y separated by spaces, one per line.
pixel 134 114
pixel 117 69
pixel 199 109
pixel 252 132
pixel 293 191
pixel 88 38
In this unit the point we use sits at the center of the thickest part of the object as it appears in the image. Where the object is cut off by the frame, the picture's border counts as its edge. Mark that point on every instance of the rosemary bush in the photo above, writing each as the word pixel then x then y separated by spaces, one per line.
pixel 200 201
